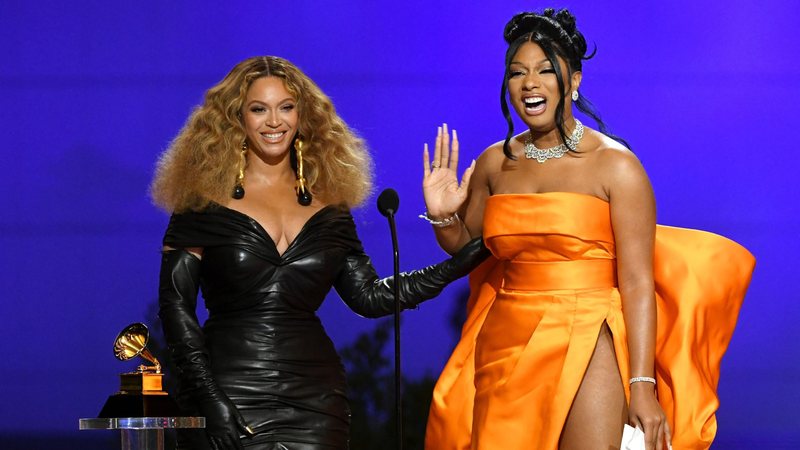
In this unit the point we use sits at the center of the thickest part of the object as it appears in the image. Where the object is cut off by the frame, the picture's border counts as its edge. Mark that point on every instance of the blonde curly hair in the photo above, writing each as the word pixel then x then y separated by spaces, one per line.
pixel 201 163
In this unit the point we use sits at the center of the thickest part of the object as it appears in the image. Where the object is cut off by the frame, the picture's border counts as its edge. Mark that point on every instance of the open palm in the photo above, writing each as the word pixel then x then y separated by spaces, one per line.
pixel 444 195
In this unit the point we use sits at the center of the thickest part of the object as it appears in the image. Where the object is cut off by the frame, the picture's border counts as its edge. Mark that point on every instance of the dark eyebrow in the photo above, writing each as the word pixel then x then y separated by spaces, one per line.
pixel 544 61
pixel 287 99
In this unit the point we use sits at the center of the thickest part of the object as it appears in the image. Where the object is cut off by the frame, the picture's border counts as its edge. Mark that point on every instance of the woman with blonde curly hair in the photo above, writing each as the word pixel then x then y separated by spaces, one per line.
pixel 259 183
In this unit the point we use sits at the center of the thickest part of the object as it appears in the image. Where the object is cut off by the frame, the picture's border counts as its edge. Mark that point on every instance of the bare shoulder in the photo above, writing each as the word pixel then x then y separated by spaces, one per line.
pixel 197 252
pixel 492 155
pixel 493 158
pixel 615 161
pixel 488 162
pixel 617 166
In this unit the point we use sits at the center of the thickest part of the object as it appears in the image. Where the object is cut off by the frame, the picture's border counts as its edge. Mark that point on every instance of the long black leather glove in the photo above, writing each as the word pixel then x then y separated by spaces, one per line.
pixel 364 293
pixel 177 300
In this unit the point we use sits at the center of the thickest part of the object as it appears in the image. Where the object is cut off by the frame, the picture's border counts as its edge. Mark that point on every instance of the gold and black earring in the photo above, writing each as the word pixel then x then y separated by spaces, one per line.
pixel 238 189
pixel 303 195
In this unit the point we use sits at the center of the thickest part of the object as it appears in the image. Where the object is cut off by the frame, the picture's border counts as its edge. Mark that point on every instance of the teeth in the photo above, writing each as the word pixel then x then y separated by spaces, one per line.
pixel 531 100
pixel 272 135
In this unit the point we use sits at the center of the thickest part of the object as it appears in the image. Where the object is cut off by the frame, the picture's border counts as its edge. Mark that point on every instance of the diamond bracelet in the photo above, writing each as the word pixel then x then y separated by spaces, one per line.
pixel 638 379
pixel 439 223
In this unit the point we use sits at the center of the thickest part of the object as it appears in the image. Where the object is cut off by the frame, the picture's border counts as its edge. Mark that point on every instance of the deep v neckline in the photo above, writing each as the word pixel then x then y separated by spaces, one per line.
pixel 268 237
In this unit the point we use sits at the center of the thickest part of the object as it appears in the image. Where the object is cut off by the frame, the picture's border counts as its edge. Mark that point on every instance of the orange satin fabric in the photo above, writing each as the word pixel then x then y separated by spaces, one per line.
pixel 535 311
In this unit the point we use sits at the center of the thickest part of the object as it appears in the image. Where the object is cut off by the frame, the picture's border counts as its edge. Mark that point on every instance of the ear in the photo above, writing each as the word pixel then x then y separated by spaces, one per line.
pixel 575 80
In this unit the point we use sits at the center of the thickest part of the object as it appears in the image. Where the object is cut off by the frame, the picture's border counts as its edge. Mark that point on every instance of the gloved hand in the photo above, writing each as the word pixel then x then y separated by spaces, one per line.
pixel 364 293
pixel 224 423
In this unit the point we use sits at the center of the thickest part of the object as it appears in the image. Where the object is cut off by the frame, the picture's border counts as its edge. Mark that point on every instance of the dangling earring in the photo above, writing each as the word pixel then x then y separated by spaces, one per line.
pixel 303 196
pixel 238 190
pixel 575 95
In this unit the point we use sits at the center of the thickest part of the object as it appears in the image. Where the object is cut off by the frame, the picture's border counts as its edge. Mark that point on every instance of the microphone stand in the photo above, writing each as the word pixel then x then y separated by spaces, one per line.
pixel 398 395
pixel 388 203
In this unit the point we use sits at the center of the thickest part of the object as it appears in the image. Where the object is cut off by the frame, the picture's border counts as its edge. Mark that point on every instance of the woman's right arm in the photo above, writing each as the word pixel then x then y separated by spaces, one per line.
pixel 177 301
pixel 177 304
pixel 445 197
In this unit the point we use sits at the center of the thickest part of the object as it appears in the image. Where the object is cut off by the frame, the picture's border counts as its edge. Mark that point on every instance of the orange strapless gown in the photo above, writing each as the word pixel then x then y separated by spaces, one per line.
pixel 536 309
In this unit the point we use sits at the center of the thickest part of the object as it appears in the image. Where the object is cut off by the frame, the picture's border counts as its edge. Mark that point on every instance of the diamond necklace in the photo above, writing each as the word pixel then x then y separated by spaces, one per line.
pixel 543 154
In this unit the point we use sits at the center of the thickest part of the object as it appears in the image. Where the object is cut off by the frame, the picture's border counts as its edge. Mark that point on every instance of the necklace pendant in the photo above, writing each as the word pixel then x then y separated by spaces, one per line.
pixel 543 154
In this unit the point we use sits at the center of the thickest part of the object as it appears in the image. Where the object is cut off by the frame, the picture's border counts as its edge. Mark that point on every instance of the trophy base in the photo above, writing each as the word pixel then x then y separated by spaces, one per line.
pixel 140 395
pixel 140 382
pixel 137 404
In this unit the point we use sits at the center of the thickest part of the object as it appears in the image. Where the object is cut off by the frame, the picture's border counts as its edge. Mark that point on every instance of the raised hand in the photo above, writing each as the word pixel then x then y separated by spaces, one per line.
pixel 444 195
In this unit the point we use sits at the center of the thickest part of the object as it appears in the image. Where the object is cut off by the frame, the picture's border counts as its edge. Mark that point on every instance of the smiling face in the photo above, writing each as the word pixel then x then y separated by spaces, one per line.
pixel 533 87
pixel 270 117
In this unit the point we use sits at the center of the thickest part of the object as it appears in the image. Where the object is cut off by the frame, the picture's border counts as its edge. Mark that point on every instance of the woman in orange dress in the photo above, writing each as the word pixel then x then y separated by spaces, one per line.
pixel 589 316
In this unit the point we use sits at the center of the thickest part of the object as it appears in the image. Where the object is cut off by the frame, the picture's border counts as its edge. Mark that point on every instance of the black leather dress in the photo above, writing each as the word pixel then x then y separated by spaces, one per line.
pixel 263 346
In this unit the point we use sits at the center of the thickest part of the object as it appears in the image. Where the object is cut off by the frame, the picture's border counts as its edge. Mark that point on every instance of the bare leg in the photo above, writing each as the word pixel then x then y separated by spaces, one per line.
pixel 599 411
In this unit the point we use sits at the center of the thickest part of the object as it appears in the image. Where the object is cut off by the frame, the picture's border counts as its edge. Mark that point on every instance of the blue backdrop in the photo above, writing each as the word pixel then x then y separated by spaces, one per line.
pixel 92 92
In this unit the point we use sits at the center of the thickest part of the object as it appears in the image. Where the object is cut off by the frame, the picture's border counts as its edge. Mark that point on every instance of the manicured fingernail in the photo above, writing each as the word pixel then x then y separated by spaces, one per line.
pixel 455 135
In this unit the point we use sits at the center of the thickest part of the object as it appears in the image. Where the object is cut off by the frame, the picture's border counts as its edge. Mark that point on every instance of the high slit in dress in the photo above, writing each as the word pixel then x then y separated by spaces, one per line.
pixel 536 309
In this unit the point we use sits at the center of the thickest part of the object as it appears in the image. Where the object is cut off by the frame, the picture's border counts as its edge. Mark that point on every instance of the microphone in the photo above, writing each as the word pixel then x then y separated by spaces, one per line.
pixel 388 202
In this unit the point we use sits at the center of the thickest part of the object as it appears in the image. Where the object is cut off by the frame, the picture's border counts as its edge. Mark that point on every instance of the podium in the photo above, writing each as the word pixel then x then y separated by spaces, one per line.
pixel 141 433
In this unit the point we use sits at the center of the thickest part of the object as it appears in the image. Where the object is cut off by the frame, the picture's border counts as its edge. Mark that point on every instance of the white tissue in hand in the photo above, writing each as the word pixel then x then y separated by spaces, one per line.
pixel 632 438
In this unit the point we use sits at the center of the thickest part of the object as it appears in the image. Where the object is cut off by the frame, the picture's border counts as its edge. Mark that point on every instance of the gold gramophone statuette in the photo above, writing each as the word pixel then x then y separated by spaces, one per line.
pixel 130 343
pixel 140 392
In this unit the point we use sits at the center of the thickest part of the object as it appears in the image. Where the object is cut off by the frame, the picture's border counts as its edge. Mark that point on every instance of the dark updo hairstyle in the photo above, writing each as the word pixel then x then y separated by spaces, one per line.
pixel 557 35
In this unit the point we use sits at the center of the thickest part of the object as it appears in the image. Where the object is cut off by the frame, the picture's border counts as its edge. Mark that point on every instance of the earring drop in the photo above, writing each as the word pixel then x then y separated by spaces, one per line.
pixel 575 95
pixel 303 195
pixel 238 189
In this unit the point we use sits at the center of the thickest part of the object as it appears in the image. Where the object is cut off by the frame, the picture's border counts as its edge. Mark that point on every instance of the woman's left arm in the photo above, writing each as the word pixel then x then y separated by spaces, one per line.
pixel 359 286
pixel 633 219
